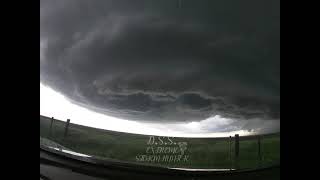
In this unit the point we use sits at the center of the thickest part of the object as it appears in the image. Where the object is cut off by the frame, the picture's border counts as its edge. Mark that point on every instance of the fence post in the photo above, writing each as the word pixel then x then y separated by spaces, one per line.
pixel 66 128
pixel 259 149
pixel 230 153
pixel 236 149
pixel 50 131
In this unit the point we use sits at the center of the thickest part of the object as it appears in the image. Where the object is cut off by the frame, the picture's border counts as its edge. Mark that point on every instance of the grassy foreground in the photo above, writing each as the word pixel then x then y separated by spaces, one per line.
pixel 172 152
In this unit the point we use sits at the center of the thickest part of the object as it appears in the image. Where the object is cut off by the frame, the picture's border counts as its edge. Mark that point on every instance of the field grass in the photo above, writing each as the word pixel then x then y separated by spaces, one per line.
pixel 201 152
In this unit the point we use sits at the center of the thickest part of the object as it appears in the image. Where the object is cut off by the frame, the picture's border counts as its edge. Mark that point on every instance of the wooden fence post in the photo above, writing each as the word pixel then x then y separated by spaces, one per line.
pixel 259 150
pixel 50 131
pixel 66 128
pixel 236 150
pixel 230 153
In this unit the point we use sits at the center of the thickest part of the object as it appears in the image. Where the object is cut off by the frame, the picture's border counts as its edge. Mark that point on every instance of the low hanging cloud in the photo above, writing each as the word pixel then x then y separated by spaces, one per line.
pixel 158 61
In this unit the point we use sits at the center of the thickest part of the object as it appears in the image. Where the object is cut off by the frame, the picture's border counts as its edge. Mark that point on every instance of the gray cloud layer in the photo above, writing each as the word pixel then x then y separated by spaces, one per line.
pixel 153 61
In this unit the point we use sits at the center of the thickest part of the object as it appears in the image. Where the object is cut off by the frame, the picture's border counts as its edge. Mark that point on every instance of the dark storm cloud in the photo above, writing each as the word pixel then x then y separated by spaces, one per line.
pixel 159 61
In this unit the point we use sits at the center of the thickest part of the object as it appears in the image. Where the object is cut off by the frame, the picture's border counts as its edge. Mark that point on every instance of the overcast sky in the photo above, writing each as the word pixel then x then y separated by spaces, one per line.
pixel 164 62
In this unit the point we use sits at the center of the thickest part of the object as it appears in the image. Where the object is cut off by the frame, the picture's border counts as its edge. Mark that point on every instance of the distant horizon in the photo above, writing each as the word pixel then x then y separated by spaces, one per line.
pixel 53 104
pixel 252 134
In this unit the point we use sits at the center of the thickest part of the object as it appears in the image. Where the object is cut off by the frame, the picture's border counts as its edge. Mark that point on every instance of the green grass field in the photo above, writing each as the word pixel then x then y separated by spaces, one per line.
pixel 201 152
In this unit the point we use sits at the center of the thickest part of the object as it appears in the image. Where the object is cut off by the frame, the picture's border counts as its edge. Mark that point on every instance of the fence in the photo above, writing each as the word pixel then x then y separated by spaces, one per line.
pixel 236 152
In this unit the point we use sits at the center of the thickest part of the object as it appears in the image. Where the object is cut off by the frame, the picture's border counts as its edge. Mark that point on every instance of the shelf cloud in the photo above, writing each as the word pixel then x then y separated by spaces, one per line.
pixel 161 61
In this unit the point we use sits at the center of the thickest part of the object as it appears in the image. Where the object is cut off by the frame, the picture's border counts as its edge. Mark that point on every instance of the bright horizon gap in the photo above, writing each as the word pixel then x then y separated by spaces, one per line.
pixel 54 104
